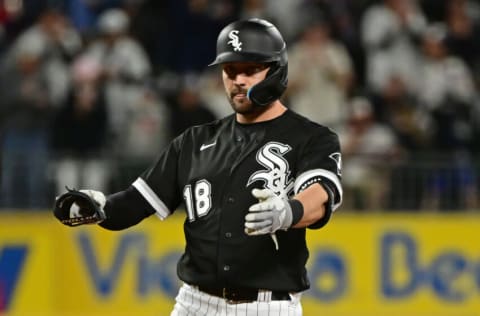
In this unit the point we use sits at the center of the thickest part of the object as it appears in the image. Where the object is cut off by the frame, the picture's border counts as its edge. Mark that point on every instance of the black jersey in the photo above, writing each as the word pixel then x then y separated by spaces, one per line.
pixel 213 168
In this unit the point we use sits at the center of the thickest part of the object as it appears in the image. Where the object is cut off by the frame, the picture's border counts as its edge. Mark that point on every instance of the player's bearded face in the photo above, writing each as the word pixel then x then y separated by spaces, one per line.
pixel 237 79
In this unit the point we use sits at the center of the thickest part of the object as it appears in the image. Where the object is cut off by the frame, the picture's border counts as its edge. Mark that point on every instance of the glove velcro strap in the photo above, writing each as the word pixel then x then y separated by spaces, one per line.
pixel 297 211
pixel 92 219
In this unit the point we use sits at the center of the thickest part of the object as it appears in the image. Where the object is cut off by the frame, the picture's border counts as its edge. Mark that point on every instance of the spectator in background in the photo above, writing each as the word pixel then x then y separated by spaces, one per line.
pixel 320 75
pixel 212 91
pixel 146 133
pixel 188 109
pixel 31 80
pixel 17 16
pixel 151 27
pixel 445 91
pixel 369 150
pixel 447 95
pixel 194 25
pixel 289 15
pixel 84 14
pixel 180 36
pixel 398 108
pixel 126 68
pixel 255 9
pixel 345 16
pixel 79 131
pixel 34 80
pixel 390 31
pixel 463 33
pixel 54 43
pixel 4 17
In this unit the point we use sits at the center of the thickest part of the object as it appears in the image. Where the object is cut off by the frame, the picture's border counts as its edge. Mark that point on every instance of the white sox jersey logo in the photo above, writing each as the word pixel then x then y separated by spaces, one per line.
pixel 234 40
pixel 276 176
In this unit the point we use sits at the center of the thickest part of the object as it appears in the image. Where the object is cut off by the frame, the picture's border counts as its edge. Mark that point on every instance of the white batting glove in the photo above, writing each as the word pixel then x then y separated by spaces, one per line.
pixel 269 215
pixel 97 196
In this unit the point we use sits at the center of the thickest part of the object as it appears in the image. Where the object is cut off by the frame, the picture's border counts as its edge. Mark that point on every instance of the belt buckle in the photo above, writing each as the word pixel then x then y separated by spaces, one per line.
pixel 230 297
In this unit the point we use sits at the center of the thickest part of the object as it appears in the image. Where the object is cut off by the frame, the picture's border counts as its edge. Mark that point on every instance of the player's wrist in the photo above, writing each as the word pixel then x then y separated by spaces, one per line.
pixel 297 210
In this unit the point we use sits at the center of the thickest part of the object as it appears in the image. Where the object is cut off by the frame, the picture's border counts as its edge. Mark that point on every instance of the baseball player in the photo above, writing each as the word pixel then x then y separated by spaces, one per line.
pixel 252 183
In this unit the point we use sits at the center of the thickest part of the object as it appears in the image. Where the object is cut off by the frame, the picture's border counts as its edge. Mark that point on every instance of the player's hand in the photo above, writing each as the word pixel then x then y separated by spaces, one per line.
pixel 75 207
pixel 269 215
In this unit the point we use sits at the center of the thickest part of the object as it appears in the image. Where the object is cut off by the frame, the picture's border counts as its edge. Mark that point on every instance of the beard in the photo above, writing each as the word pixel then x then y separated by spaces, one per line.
pixel 241 104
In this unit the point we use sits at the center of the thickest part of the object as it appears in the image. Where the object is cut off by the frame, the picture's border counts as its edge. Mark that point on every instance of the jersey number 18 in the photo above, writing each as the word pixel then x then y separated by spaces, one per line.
pixel 199 201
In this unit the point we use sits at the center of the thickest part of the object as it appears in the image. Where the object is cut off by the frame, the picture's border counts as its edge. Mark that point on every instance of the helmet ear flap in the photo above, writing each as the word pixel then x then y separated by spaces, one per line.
pixel 269 89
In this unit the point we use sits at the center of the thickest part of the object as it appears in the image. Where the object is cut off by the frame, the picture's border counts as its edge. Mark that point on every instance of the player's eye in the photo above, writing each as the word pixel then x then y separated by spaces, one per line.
pixel 230 71
pixel 248 70
pixel 254 69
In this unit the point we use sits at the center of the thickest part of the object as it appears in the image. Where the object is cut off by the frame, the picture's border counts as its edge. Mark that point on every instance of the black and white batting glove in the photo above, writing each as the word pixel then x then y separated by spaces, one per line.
pixel 79 207
pixel 269 215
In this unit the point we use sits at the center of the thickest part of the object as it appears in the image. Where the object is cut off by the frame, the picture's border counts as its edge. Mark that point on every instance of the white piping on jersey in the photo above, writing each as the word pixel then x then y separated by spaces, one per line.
pixel 161 209
pixel 322 173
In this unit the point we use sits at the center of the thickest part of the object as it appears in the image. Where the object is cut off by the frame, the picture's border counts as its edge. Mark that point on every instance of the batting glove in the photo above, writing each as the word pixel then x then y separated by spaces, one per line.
pixel 99 198
pixel 75 207
pixel 269 215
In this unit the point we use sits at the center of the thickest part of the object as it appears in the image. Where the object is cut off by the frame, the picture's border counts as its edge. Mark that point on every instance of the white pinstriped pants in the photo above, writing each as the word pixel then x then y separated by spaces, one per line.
pixel 192 302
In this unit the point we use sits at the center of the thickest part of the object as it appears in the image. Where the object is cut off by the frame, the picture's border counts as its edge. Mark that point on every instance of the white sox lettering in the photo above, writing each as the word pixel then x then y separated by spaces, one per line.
pixel 235 42
pixel 276 176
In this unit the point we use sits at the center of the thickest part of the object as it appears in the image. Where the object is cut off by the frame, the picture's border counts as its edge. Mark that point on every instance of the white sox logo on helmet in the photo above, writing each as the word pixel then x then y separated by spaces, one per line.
pixel 234 40
pixel 277 175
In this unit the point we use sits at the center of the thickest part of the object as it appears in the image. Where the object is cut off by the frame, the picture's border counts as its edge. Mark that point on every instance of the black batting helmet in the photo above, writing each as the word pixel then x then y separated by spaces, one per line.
pixel 256 40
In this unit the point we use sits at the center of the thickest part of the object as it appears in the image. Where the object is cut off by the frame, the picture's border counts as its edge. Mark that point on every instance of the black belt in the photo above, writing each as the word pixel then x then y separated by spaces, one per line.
pixel 242 294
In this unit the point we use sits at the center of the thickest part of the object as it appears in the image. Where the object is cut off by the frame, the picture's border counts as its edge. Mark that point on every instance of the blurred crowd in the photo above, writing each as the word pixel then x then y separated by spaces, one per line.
pixel 91 91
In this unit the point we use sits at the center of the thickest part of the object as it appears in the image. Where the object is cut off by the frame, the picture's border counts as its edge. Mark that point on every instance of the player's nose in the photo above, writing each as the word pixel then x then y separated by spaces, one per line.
pixel 240 79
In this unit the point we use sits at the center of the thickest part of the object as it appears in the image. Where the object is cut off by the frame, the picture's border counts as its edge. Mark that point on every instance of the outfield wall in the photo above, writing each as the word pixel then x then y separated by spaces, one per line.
pixel 401 264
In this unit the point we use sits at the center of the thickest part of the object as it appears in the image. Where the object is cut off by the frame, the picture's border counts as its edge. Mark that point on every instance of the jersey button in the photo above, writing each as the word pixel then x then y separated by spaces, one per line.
pixel 226 268
pixel 231 200
pixel 228 234
pixel 239 138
